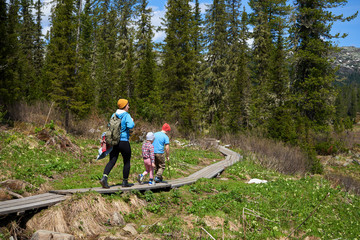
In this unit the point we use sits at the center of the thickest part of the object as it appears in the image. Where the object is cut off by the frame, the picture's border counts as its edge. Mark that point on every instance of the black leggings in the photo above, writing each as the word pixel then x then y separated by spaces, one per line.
pixel 124 148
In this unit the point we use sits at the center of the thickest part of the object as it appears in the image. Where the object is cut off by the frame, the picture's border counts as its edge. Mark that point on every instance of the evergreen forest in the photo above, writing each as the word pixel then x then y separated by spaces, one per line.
pixel 221 71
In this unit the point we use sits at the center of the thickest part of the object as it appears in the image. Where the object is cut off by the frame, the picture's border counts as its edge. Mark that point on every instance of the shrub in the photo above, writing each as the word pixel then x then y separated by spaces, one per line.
pixel 271 153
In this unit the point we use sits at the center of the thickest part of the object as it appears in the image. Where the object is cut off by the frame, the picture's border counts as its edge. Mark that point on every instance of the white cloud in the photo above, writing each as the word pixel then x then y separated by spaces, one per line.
pixel 158 14
pixel 46 9
pixel 202 6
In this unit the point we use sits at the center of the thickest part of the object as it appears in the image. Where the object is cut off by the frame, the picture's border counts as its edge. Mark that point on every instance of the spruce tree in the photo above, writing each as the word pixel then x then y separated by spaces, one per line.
pixel 86 54
pixel 10 89
pixel 27 39
pixel 179 63
pixel 124 49
pixel 313 92
pixel 147 98
pixel 61 61
pixel 197 39
pixel 240 86
pixel 107 69
pixel 4 49
pixel 216 74
pixel 234 56
pixel 38 43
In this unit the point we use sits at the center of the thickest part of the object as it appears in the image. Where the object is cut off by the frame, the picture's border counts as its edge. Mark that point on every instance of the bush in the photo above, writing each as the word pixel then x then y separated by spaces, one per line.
pixel 314 162
pixel 329 147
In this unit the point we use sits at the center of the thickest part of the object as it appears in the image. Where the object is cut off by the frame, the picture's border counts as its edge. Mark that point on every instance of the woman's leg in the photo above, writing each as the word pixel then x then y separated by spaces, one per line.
pixel 114 154
pixel 125 150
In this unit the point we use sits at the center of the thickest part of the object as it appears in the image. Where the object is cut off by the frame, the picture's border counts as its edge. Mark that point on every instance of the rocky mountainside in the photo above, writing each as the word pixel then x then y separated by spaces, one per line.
pixel 349 61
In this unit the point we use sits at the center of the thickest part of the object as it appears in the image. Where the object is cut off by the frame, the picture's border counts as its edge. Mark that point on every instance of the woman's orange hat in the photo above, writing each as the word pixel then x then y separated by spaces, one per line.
pixel 122 103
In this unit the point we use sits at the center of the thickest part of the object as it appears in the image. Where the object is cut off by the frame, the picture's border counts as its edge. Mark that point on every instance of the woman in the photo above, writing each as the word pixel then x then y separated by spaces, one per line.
pixel 122 147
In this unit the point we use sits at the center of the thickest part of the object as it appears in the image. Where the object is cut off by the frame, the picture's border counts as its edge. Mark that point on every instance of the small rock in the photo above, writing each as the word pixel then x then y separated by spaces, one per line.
pixel 356 161
pixel 45 235
pixel 345 164
pixel 131 229
pixel 118 219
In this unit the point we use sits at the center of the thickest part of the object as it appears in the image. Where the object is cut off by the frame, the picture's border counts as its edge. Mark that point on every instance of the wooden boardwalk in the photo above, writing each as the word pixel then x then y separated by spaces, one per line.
pixel 55 196
pixel 27 203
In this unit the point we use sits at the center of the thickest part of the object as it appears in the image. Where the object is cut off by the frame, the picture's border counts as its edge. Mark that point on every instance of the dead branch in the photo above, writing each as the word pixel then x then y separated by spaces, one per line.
pixel 316 208
pixel 48 114
pixel 208 233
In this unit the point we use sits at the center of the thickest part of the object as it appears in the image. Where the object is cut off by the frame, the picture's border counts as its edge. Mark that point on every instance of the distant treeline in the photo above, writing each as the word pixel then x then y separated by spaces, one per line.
pixel 205 75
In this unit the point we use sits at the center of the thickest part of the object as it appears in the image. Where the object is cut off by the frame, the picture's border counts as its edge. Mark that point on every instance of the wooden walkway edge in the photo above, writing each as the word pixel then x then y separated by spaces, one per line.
pixel 55 196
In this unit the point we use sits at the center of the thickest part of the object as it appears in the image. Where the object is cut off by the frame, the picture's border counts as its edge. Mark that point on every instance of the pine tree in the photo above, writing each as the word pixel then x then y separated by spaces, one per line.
pixel 353 104
pixel 109 83
pixel 279 72
pixel 215 76
pixel 38 44
pixel 4 49
pixel 125 51
pixel 179 63
pixel 197 39
pixel 86 59
pixel 61 61
pixel 234 56
pixel 240 85
pixel 10 89
pixel 147 98
pixel 312 87
pixel 27 37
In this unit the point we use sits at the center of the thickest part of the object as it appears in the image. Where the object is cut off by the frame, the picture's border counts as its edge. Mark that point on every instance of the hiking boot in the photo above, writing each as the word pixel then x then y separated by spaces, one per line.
pixel 151 183
pixel 140 178
pixel 157 179
pixel 104 182
pixel 125 183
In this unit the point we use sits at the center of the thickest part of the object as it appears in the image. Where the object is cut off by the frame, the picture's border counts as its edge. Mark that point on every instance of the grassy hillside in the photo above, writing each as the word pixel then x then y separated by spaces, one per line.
pixel 226 207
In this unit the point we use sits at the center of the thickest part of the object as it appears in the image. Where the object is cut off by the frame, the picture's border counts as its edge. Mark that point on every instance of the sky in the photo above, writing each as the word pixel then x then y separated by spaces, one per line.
pixel 352 28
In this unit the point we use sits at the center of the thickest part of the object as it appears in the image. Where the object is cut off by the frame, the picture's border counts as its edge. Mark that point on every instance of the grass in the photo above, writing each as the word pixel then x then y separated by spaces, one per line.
pixel 226 207
pixel 258 211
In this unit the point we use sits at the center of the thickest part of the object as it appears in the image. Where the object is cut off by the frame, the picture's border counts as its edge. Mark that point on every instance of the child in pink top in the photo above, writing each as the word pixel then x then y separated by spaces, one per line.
pixel 149 158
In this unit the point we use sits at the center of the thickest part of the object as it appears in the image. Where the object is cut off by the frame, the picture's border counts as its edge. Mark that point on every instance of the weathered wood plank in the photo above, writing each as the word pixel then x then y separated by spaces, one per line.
pixel 225 151
pixel 32 205
pixel 204 172
pixel 31 199
pixel 181 182
pixel 114 188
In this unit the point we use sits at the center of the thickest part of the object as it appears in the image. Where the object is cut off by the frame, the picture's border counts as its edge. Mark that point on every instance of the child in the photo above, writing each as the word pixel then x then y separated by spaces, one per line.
pixel 149 158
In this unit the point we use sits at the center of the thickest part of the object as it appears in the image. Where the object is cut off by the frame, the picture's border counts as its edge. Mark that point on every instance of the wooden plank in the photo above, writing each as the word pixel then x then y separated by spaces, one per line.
pixel 181 182
pixel 115 188
pixel 211 172
pixel 31 199
pixel 33 205
pixel 225 150
pixel 203 172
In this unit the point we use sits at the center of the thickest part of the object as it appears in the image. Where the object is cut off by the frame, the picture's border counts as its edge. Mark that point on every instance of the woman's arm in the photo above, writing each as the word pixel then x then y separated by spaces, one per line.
pixel 129 122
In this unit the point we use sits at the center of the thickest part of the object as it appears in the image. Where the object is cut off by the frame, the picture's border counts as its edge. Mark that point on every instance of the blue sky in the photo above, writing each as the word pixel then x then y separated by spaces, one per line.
pixel 351 28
